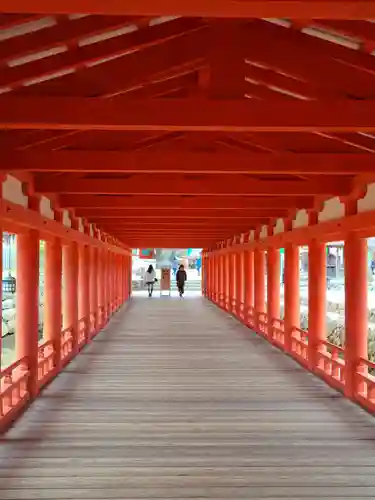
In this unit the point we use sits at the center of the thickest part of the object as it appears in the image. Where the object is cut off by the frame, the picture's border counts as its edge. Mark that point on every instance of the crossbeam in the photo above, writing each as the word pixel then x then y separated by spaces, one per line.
pixel 176 115
pixel 292 9
pixel 178 203
pixel 171 162
pixel 178 185
pixel 180 215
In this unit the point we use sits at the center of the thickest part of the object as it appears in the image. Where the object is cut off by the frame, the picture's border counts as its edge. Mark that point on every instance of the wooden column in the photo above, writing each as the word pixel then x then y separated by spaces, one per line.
pixel 84 287
pixel 273 287
pixel 227 281
pixel 232 281
pixel 94 298
pixel 259 282
pixel 221 281
pixel 291 293
pixel 101 288
pixel 28 305
pixel 239 281
pixel 356 320
pixel 317 284
pixel 249 279
pixel 53 297
pixel 70 256
pixel 217 278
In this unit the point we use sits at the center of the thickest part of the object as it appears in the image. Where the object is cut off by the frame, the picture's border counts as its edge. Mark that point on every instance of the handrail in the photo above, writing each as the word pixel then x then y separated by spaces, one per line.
pixel 46 362
pixel 364 380
pixel 13 387
pixel 299 345
pixel 331 363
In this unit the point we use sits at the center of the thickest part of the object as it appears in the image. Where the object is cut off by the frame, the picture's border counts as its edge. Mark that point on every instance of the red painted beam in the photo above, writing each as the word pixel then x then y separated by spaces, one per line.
pixel 180 185
pixel 297 9
pixel 325 65
pixel 65 32
pixel 171 162
pixel 175 203
pixel 176 115
pixel 180 215
pixel 185 48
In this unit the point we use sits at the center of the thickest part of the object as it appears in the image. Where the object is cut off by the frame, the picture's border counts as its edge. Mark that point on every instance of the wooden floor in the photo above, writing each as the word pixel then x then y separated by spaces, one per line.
pixel 177 400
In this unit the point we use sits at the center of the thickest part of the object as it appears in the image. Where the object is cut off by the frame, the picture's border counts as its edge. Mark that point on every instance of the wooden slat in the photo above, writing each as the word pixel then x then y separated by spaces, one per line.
pixel 177 400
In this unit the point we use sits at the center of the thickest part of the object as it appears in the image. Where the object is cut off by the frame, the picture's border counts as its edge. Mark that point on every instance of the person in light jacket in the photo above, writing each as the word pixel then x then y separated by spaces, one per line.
pixel 181 278
pixel 150 278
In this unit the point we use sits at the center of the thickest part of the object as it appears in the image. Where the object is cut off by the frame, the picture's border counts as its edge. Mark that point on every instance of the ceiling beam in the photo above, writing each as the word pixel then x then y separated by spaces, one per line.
pixel 170 162
pixel 176 115
pixel 297 9
pixel 181 215
pixel 186 45
pixel 178 203
pixel 178 185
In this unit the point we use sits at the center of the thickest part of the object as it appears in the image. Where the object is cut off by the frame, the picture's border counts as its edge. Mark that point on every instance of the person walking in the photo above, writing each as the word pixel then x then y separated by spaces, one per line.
pixel 181 278
pixel 150 278
pixel 199 265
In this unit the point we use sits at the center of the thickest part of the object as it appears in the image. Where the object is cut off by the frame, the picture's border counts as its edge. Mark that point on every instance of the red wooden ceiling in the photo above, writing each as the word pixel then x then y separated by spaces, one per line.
pixel 167 130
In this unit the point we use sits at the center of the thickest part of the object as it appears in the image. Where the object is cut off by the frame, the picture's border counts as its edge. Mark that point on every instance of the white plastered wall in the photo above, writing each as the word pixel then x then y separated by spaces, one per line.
pixel 368 202
pixel 333 209
pixel 12 191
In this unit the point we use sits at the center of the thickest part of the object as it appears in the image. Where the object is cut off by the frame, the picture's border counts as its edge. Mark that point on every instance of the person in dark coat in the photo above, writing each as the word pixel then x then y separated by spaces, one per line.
pixel 181 278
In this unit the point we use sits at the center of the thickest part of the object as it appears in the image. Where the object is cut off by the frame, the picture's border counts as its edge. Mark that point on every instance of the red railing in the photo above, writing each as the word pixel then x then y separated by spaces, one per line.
pixel 278 332
pixel 66 344
pixel 263 323
pixel 365 384
pixel 46 362
pixel 82 332
pixel 299 345
pixel 13 388
pixel 93 329
pixel 250 316
pixel 331 364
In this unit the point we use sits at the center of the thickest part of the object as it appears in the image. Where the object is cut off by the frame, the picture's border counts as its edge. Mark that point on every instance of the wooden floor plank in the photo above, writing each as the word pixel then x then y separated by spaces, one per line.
pixel 176 400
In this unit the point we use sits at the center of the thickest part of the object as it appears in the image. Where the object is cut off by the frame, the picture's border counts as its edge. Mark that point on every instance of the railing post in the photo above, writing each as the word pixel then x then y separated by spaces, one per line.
pixel 70 256
pixel 355 259
pixel 94 299
pixel 84 288
pixel 53 297
pixel 28 305
pixel 259 282
pixel 317 286
pixel 291 293
pixel 273 287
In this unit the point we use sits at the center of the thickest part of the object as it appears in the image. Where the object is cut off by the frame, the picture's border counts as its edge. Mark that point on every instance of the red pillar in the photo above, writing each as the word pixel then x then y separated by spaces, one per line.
pixel 273 287
pixel 232 281
pixel 317 300
pixel 259 282
pixel 227 281
pixel 217 273
pixel 1 292
pixel 355 258
pixel 106 295
pixel 70 256
pixel 94 298
pixel 53 297
pixel 84 288
pixel 249 278
pixel 239 281
pixel 101 288
pixel 28 305
pixel 221 281
pixel 291 293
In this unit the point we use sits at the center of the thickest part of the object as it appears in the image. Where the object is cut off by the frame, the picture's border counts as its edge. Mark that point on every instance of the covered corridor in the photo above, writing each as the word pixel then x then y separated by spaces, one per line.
pixel 242 128
pixel 176 399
